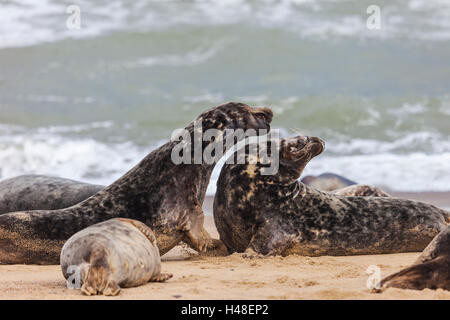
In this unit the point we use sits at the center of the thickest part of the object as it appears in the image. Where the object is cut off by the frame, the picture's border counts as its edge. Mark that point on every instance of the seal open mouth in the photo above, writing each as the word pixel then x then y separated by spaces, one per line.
pixel 303 147
pixel 316 145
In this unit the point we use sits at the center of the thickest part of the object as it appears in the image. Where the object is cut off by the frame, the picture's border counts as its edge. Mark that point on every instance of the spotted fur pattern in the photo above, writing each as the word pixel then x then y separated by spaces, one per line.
pixel 165 196
pixel 280 215
pixel 361 190
pixel 38 192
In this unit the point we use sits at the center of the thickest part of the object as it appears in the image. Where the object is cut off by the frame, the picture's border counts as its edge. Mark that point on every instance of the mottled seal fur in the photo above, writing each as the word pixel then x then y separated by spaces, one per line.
pixel 277 214
pixel 327 181
pixel 38 192
pixel 165 196
pixel 431 270
pixel 361 190
pixel 112 254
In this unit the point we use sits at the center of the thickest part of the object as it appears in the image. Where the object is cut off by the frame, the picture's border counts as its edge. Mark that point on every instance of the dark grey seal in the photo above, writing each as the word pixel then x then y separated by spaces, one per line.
pixel 277 214
pixel 431 270
pixel 165 196
pixel 38 192
pixel 112 254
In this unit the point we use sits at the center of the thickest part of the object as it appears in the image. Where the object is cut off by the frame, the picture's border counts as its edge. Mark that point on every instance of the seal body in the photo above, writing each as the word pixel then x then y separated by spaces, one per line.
pixel 327 181
pixel 164 195
pixel 112 254
pixel 277 214
pixel 431 270
pixel 39 192
pixel 361 190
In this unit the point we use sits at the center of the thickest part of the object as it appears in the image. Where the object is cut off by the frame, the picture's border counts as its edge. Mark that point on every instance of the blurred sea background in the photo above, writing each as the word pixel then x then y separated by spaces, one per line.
pixel 88 104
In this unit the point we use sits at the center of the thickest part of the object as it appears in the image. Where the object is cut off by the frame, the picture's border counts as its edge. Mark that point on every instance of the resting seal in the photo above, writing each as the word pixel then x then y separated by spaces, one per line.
pixel 360 190
pixel 327 181
pixel 277 214
pixel 431 270
pixel 38 192
pixel 165 196
pixel 339 185
pixel 112 254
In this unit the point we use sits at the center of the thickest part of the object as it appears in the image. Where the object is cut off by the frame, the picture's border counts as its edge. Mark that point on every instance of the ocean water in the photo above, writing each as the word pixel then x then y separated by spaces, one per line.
pixel 89 103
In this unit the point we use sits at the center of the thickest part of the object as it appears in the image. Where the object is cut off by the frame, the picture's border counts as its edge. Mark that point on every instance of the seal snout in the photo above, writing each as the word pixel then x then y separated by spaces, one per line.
pixel 265 112
pixel 317 145
pixel 263 117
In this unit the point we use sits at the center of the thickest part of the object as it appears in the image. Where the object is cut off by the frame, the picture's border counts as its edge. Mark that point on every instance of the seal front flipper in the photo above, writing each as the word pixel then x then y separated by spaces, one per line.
pixel 195 234
pixel 249 253
pixel 197 237
pixel 98 279
pixel 161 277
pixel 270 239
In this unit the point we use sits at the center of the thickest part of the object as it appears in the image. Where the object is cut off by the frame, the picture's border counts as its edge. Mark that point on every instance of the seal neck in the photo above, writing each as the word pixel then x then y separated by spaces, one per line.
pixel 290 191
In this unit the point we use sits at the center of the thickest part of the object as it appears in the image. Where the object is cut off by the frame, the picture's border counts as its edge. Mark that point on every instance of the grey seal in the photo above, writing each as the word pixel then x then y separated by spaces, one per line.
pixel 277 214
pixel 327 181
pixel 431 270
pixel 39 192
pixel 165 196
pixel 112 254
pixel 340 185
pixel 361 190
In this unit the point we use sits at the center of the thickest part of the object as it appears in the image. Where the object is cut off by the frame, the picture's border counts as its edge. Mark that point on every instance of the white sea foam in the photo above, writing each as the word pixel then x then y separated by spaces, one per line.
pixel 76 128
pixel 408 108
pixel 409 172
pixel 28 22
pixel 206 97
pixel 54 98
pixel 196 56
pixel 47 150
pixel 434 142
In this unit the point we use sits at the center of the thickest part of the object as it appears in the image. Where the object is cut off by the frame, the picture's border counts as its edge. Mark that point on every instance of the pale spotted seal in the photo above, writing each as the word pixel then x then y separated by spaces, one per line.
pixel 277 214
pixel 112 254
pixel 39 192
pixel 339 185
pixel 327 181
pixel 165 196
pixel 361 190
pixel 431 270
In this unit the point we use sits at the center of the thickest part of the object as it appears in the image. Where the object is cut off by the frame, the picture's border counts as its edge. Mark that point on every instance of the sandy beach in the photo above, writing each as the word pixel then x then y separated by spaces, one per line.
pixel 237 277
